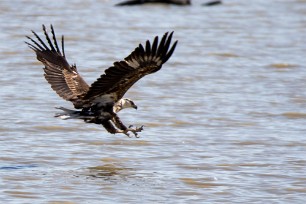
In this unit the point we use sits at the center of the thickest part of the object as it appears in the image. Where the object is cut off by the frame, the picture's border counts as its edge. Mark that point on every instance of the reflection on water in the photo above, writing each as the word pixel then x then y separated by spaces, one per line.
pixel 107 171
pixel 224 119
pixel 197 183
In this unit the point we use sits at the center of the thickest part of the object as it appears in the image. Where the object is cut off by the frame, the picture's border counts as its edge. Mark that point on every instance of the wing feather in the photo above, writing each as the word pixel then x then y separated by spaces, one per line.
pixel 54 40
pixel 118 78
pixel 63 78
pixel 154 46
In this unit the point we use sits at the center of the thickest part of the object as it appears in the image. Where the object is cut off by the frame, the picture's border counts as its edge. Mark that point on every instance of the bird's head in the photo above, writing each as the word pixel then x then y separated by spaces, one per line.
pixel 124 103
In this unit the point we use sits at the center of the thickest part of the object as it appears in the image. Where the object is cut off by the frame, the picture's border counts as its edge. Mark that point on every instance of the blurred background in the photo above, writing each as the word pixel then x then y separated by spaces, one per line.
pixel 224 118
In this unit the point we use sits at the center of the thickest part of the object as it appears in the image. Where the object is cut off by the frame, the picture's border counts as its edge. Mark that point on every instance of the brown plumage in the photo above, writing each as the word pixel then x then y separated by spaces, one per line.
pixel 63 78
pixel 99 100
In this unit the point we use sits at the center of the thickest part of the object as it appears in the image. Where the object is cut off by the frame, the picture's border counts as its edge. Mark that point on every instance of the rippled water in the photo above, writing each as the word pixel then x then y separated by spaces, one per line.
pixel 224 119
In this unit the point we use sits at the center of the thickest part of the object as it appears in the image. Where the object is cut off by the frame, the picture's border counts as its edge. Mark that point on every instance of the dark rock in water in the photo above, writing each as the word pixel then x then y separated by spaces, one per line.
pixel 138 2
pixel 212 3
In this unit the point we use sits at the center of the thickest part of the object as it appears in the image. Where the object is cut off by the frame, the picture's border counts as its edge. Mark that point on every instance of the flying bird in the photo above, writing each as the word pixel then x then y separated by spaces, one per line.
pixel 138 2
pixel 100 102
pixel 212 3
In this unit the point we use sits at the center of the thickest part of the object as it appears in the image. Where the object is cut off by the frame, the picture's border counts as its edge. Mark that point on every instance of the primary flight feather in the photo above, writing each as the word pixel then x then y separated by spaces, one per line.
pixel 100 102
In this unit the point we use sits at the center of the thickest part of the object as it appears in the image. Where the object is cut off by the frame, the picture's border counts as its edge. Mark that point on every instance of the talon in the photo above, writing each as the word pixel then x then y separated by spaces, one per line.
pixel 139 129
pixel 133 131
pixel 130 126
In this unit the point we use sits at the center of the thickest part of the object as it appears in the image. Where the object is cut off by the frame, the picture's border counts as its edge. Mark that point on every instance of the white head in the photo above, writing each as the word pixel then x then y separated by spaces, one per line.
pixel 122 104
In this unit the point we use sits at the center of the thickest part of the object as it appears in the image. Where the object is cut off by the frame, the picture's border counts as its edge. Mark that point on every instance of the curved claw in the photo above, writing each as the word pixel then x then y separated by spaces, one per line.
pixel 137 136
pixel 140 128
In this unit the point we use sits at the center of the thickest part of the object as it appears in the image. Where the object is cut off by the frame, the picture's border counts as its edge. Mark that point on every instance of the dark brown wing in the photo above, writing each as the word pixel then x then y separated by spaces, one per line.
pixel 64 79
pixel 142 61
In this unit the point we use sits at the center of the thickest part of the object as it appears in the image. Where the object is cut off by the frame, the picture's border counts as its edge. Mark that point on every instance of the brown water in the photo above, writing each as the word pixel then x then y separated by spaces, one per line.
pixel 224 119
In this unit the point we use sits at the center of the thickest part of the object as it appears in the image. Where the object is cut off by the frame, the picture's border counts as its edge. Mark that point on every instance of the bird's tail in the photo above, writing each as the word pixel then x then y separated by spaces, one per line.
pixel 72 114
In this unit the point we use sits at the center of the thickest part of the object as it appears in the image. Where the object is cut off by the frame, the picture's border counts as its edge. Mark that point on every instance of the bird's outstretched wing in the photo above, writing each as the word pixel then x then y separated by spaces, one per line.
pixel 123 74
pixel 63 78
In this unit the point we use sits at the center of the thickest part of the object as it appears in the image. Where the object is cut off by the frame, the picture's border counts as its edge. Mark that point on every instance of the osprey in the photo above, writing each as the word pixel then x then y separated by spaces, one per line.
pixel 100 102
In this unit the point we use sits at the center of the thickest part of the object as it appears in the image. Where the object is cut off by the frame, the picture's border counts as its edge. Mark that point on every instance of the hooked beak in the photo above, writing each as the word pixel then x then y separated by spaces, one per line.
pixel 135 107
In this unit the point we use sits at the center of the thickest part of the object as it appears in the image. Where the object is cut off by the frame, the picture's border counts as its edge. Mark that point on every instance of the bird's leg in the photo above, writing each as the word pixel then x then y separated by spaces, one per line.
pixel 118 123
pixel 123 129
pixel 109 126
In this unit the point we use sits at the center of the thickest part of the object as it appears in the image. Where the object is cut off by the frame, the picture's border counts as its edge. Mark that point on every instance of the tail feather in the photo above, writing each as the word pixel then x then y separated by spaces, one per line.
pixel 71 114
